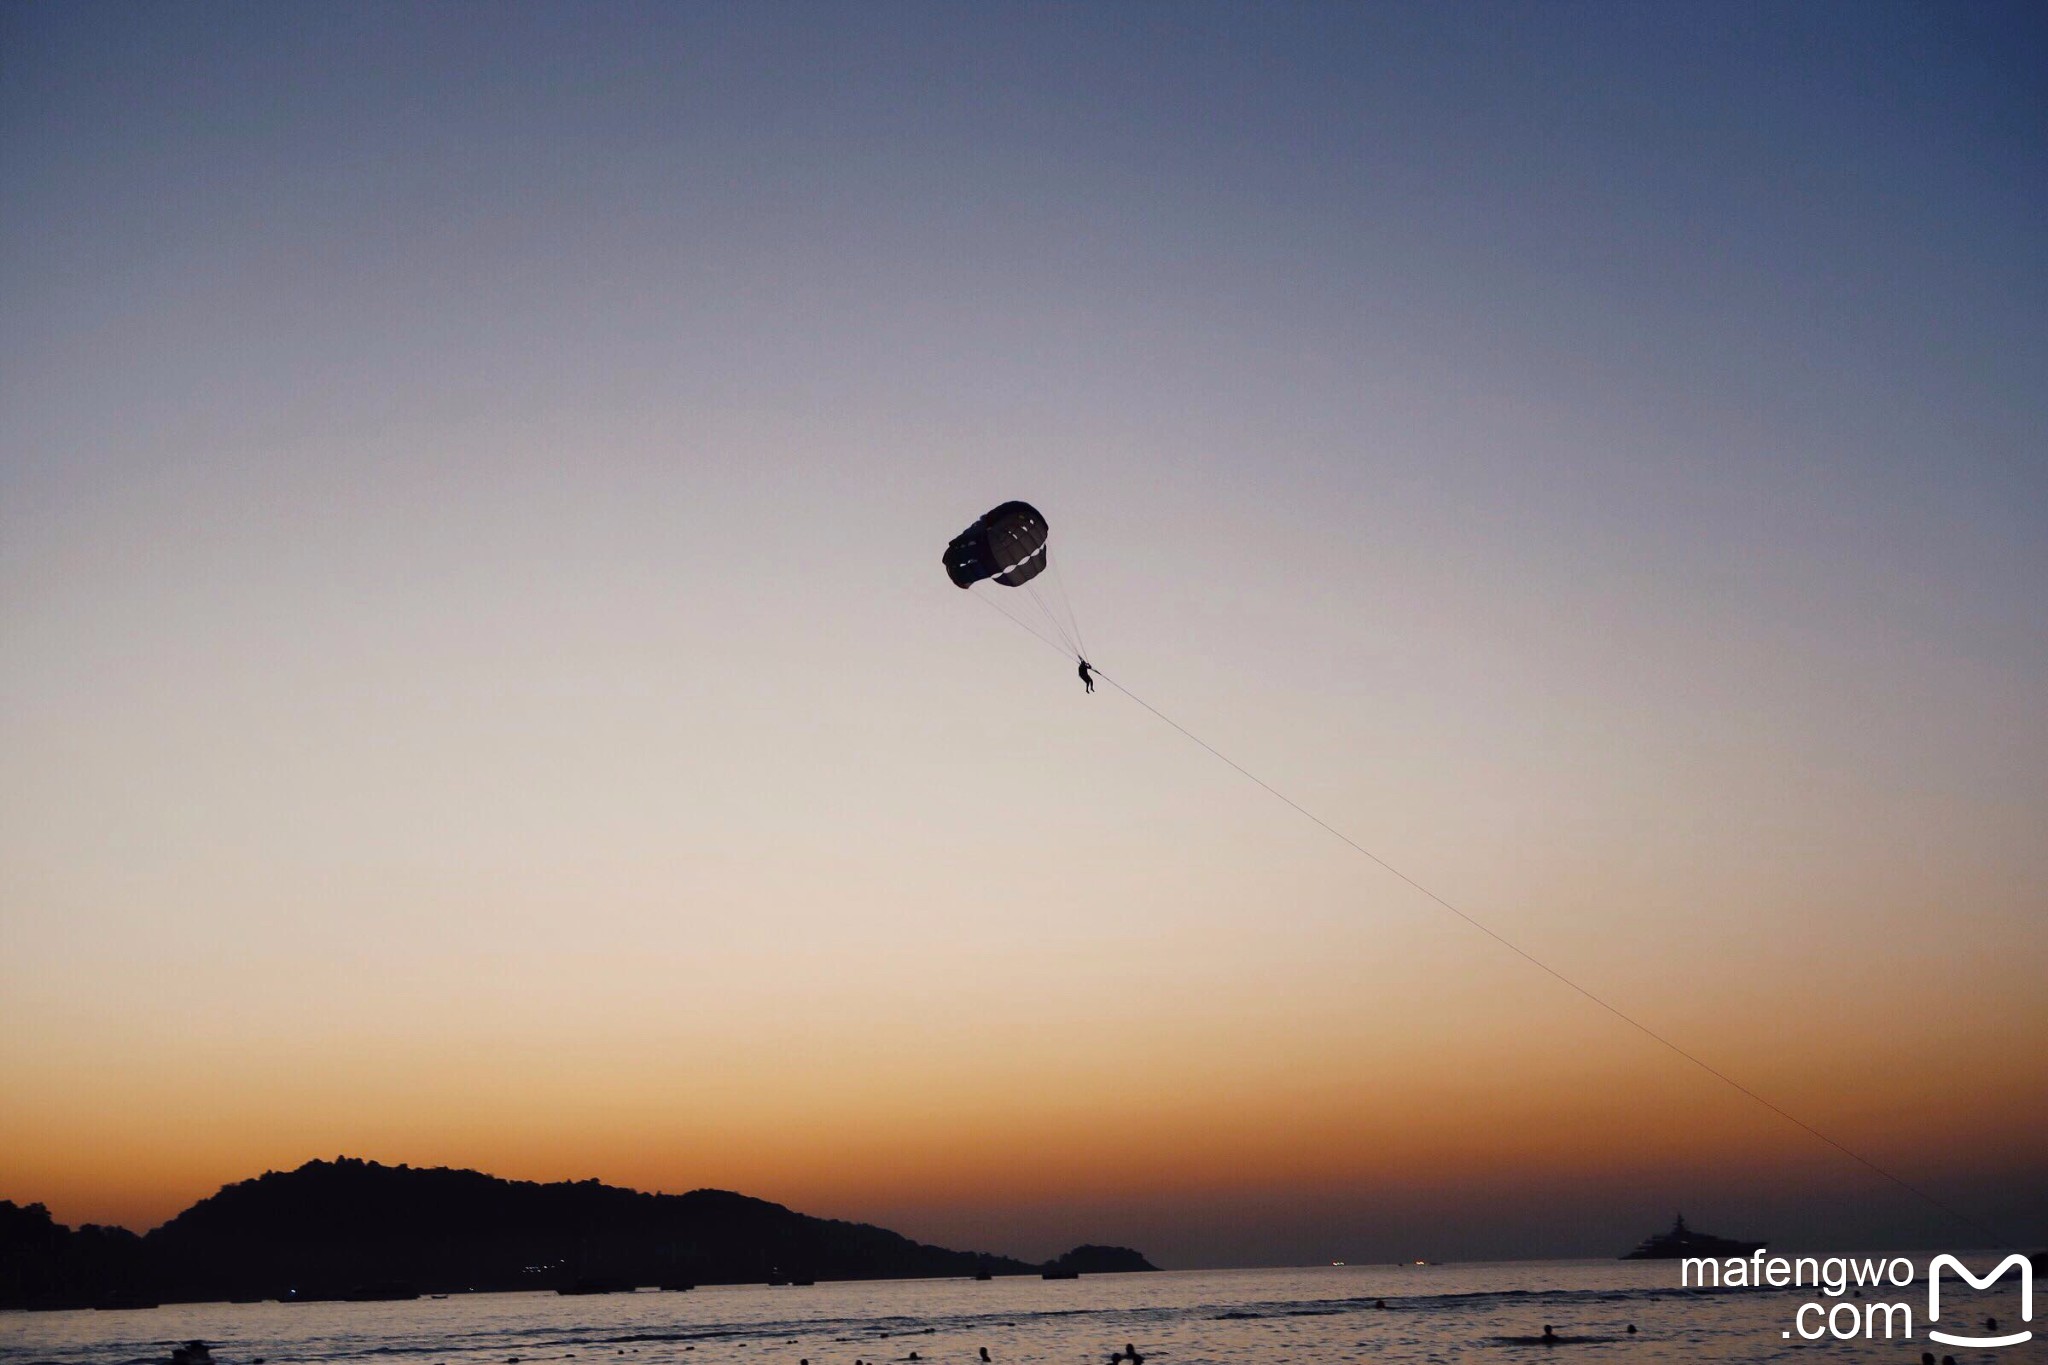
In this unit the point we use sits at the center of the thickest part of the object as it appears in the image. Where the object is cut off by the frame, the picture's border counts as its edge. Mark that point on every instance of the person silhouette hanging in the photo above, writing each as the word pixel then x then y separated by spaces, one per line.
pixel 1087 677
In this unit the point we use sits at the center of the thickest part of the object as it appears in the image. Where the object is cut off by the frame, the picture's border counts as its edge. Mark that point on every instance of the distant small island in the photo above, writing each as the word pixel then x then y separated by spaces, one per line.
pixel 1094 1260
pixel 355 1229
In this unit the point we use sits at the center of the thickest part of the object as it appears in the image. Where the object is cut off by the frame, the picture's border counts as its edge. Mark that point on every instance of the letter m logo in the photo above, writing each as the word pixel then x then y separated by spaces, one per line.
pixel 2026 1269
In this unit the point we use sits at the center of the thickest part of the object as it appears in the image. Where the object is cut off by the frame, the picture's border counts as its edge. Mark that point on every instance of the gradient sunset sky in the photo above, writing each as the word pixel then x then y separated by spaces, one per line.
pixel 477 685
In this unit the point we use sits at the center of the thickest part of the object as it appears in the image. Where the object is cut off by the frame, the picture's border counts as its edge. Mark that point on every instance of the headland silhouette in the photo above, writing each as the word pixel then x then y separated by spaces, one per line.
pixel 350 1228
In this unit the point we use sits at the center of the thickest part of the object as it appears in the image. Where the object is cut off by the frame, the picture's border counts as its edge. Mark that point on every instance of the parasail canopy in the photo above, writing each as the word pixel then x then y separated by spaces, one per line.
pixel 1007 544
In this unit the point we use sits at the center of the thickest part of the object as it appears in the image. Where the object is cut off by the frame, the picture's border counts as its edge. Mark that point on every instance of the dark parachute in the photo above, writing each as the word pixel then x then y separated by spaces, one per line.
pixel 1008 547
pixel 1007 544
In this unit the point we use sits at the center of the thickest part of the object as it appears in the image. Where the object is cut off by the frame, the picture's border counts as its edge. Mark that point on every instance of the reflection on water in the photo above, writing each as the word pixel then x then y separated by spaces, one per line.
pixel 1433 1313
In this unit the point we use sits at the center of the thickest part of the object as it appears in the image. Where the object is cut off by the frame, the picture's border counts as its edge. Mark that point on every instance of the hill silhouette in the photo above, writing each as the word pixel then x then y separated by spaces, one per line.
pixel 1094 1260
pixel 354 1228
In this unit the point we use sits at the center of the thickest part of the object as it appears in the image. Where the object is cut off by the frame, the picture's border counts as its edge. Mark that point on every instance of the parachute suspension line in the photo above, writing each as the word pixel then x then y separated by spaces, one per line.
pixel 1055 618
pixel 1523 953
pixel 1020 622
pixel 994 605
pixel 1059 585
pixel 1044 612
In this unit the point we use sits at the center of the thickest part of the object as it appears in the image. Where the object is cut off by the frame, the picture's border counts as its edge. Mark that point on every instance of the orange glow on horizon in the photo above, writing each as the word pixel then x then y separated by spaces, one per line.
pixel 1166 1111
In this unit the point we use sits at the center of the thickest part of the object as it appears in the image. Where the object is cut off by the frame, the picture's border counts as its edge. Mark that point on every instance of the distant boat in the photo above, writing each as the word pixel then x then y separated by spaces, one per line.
pixel 1336 1263
pixel 677 1287
pixel 1683 1241
pixel 984 1275
pixel 1059 1275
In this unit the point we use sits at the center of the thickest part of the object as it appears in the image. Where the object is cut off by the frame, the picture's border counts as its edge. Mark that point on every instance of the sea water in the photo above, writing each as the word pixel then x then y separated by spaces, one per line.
pixel 1476 1312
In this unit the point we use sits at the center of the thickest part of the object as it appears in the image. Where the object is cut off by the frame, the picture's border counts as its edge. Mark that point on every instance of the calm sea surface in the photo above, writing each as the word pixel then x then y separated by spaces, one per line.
pixel 1432 1313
